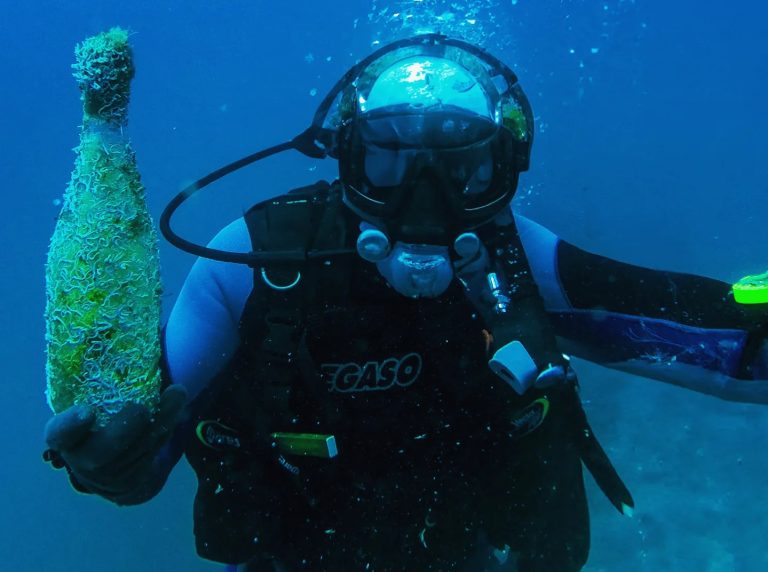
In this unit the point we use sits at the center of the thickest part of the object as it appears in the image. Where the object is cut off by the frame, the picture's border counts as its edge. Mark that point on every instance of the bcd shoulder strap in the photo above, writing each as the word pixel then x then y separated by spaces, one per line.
pixel 303 237
pixel 527 320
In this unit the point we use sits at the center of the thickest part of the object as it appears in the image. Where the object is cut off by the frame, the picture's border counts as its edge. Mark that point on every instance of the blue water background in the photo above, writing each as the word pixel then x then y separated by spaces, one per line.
pixel 650 148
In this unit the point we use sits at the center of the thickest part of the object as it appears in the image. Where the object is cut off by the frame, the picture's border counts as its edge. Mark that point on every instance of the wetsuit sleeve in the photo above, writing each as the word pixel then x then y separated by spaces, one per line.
pixel 202 331
pixel 679 328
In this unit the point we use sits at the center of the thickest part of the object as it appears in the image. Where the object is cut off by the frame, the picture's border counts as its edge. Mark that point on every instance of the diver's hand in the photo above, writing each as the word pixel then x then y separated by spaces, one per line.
pixel 115 461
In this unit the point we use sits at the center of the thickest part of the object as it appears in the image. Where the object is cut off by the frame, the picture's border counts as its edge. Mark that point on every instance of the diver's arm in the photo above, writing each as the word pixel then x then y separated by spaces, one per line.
pixel 202 332
pixel 679 328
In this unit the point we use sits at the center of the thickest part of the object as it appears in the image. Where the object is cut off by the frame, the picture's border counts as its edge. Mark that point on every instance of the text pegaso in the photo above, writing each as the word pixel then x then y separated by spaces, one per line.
pixel 372 375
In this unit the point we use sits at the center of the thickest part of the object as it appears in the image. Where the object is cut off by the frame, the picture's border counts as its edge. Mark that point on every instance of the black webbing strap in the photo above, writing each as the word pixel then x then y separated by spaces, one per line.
pixel 594 456
pixel 286 225
pixel 300 226
pixel 527 320
pixel 275 309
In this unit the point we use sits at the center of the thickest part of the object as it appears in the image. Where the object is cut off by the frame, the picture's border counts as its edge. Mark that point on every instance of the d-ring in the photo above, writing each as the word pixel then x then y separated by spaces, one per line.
pixel 274 286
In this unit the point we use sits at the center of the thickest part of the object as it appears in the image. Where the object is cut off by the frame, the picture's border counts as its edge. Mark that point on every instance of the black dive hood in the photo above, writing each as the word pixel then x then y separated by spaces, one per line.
pixel 322 139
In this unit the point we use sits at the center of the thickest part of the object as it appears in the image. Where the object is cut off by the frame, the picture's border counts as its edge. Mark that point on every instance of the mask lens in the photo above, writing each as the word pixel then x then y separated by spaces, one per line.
pixel 472 170
pixel 466 173
pixel 456 146
pixel 385 168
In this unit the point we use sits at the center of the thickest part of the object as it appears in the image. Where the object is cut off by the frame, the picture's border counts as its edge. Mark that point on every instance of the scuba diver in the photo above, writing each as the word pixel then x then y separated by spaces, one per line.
pixel 373 373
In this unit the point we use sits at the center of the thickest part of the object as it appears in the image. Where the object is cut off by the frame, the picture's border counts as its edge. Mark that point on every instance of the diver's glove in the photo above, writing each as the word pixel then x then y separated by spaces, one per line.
pixel 119 461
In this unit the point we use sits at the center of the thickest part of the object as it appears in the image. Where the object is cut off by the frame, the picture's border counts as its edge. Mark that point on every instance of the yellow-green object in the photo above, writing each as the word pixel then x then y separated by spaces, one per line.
pixel 103 273
pixel 307 444
pixel 752 289
pixel 514 120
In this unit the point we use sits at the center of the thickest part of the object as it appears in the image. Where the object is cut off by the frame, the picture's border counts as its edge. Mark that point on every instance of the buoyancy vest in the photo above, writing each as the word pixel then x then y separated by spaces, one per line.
pixel 424 429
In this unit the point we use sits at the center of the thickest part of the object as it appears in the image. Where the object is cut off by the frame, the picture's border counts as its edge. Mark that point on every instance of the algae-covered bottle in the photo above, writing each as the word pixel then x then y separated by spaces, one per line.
pixel 103 273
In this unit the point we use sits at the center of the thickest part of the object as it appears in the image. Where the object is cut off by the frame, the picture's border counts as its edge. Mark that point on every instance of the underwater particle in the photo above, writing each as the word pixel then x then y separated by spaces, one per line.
pixel 313 92
pixel 103 273
pixel 446 17
pixel 309 58
pixel 594 50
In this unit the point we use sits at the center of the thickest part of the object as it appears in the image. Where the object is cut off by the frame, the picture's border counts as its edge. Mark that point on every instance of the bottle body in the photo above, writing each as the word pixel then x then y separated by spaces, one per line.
pixel 103 280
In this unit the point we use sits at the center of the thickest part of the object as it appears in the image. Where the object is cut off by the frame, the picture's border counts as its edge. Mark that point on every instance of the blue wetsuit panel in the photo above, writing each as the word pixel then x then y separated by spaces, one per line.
pixel 202 331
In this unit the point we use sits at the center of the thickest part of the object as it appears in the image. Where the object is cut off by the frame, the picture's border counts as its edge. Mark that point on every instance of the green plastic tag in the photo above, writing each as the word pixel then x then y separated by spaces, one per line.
pixel 306 444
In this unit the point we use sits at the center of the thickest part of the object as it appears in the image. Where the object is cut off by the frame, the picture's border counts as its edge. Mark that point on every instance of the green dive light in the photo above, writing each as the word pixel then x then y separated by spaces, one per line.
pixel 306 444
pixel 752 289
